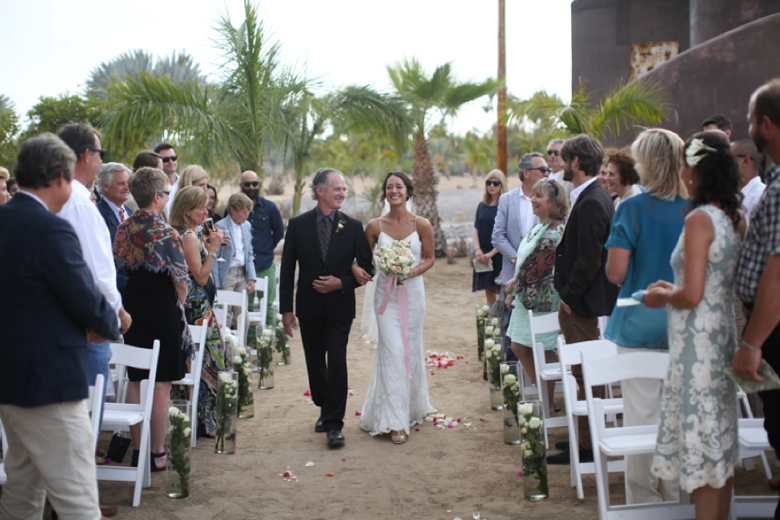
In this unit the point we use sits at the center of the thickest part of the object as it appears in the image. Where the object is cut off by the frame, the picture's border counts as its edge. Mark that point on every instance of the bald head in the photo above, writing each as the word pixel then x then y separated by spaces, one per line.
pixel 748 158
pixel 250 183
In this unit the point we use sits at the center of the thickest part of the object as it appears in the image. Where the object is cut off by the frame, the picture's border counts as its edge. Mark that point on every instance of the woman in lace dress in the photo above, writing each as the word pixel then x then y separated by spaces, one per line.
pixel 697 441
pixel 396 400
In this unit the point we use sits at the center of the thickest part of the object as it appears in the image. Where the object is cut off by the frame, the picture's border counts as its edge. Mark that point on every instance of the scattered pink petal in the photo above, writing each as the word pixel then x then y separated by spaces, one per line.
pixel 307 393
pixel 462 429
pixel 482 419
pixel 492 443
pixel 467 362
pixel 358 413
pixel 519 473
pixel 343 460
pixel 417 429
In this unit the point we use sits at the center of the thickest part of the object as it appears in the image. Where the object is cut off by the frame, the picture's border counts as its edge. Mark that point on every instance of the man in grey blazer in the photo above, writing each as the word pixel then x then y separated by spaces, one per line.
pixel 514 218
pixel 235 266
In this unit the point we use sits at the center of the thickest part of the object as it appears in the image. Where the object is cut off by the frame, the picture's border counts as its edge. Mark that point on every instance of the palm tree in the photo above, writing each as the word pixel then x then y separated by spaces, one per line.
pixel 9 126
pixel 180 68
pixel 626 105
pixel 351 110
pixel 423 95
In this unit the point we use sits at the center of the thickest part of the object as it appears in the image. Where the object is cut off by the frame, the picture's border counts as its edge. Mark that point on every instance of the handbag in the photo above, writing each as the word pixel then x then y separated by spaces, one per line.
pixel 117 448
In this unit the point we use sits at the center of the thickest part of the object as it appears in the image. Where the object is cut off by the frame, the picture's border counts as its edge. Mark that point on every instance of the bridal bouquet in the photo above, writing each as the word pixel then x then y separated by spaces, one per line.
pixel 395 259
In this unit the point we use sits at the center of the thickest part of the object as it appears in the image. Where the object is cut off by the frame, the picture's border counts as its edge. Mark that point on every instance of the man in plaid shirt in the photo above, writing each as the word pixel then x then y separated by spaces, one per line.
pixel 758 270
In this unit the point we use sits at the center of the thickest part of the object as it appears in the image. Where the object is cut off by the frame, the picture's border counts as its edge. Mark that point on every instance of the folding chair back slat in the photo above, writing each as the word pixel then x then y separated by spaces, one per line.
pixel 192 379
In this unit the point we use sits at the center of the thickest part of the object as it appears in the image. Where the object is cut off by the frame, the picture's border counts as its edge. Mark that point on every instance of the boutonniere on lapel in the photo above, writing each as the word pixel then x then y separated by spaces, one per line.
pixel 340 225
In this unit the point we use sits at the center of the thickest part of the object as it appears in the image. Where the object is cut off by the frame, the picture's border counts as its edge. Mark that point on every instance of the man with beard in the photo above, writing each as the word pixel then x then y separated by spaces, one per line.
pixel 758 270
pixel 580 261
pixel 267 231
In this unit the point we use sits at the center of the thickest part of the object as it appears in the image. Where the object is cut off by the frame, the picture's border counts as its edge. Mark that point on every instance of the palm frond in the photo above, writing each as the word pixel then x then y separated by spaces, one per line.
pixel 639 102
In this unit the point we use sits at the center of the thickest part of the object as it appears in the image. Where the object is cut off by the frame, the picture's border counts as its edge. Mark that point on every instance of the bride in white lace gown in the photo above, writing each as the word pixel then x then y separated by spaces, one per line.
pixel 395 400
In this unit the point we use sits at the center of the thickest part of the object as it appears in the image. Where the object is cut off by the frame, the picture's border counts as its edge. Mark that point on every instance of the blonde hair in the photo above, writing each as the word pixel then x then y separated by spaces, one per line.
pixel 192 174
pixel 498 175
pixel 4 174
pixel 556 194
pixel 659 159
pixel 239 201
pixel 187 199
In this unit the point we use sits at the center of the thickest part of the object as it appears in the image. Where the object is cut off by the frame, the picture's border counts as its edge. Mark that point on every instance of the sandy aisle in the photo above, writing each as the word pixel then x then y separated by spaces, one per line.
pixel 439 474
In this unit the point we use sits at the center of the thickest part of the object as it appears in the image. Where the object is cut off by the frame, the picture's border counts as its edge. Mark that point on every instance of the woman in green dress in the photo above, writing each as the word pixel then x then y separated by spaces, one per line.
pixel 533 287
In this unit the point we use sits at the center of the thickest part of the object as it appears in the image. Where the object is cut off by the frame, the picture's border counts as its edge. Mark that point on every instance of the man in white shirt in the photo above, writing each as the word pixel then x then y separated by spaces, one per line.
pixel 749 159
pixel 93 236
pixel 237 271
pixel 514 217
pixel 170 166
pixel 556 163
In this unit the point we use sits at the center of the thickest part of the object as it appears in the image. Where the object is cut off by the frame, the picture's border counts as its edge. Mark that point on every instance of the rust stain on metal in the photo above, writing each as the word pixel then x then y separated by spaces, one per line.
pixel 647 56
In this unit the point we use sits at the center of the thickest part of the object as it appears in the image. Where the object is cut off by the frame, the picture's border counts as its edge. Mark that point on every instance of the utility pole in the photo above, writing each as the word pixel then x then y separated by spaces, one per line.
pixel 501 145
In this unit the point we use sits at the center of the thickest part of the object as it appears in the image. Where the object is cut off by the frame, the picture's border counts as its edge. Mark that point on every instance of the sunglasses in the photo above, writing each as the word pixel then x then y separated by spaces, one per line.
pixel 100 151
pixel 543 170
pixel 169 159
pixel 554 152
pixel 493 183
pixel 250 183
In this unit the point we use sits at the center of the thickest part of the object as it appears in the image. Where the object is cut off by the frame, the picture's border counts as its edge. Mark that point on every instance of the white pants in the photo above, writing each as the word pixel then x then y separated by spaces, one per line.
pixel 50 451
pixel 642 406
pixel 235 280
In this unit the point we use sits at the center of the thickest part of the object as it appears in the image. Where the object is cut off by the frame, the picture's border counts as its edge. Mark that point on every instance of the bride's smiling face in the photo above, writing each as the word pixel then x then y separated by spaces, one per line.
pixel 395 191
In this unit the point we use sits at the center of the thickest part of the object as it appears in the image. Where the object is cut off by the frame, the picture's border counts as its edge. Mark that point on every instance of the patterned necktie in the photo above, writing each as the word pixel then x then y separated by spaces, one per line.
pixel 325 236
pixel 121 215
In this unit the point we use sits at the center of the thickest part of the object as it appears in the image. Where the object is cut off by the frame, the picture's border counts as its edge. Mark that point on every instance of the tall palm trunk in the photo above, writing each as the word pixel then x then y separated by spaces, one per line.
pixel 425 192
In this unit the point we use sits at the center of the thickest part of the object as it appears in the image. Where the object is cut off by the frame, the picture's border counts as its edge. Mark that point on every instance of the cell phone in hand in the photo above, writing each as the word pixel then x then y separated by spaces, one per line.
pixel 209 225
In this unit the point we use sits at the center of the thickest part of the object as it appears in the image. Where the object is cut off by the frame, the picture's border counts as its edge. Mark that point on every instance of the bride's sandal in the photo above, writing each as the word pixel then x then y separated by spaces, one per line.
pixel 398 437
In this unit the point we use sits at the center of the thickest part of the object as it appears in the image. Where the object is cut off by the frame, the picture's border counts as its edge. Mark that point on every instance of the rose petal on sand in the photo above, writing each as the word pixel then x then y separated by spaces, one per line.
pixel 307 393
pixel 328 474
pixel 519 473
pixel 358 413
pixel 309 464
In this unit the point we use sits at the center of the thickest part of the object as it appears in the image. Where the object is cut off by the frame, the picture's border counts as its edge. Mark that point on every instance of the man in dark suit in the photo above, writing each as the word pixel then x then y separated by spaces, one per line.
pixel 112 183
pixel 324 243
pixel 49 301
pixel 580 276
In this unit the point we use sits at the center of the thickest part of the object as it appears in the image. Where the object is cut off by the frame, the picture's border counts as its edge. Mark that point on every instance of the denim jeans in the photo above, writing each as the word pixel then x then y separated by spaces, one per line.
pixel 99 356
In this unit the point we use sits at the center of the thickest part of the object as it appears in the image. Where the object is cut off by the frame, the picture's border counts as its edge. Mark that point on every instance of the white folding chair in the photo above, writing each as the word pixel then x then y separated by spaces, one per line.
pixel 626 440
pixel 192 379
pixel 276 293
pixel 259 317
pixel 753 438
pixel 545 371
pixel 571 354
pixel 95 405
pixel 236 299
pixel 120 416
pixel 747 455
pixel 3 476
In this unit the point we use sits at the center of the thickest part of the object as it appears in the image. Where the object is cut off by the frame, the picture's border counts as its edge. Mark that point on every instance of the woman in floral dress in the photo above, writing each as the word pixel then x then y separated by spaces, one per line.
pixel 698 444
pixel 189 211
pixel 532 287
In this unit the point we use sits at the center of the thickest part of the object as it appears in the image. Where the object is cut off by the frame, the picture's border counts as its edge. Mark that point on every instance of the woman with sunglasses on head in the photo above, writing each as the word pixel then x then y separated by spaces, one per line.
pixel 645 229
pixel 188 213
pixel 698 444
pixel 532 287
pixel 484 252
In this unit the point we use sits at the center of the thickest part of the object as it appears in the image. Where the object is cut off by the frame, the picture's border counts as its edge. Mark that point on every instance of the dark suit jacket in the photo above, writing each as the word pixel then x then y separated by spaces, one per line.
pixel 581 258
pixel 112 222
pixel 48 301
pixel 301 245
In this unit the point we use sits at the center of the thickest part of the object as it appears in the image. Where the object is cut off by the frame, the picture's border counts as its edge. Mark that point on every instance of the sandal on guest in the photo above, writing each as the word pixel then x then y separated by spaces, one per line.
pixel 155 468
pixel 398 437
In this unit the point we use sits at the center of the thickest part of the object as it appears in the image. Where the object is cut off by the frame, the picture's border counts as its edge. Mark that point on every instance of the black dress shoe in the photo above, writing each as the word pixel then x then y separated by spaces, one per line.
pixel 318 427
pixel 562 445
pixel 564 458
pixel 335 439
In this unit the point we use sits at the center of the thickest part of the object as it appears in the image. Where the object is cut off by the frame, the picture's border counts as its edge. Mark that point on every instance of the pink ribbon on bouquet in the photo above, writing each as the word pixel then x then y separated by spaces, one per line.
pixel 391 284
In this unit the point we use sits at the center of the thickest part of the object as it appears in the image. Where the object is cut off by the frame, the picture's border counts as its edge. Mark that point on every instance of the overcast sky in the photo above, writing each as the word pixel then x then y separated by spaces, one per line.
pixel 50 46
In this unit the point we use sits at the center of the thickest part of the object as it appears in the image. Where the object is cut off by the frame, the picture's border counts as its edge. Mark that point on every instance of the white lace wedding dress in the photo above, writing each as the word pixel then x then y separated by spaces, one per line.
pixel 394 401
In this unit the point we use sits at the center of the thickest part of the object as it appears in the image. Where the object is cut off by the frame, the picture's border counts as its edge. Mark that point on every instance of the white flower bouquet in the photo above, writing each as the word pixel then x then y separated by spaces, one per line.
pixel 395 259
pixel 246 399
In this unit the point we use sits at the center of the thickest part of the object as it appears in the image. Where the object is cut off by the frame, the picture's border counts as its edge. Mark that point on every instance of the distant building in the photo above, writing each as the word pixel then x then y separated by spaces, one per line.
pixel 708 54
